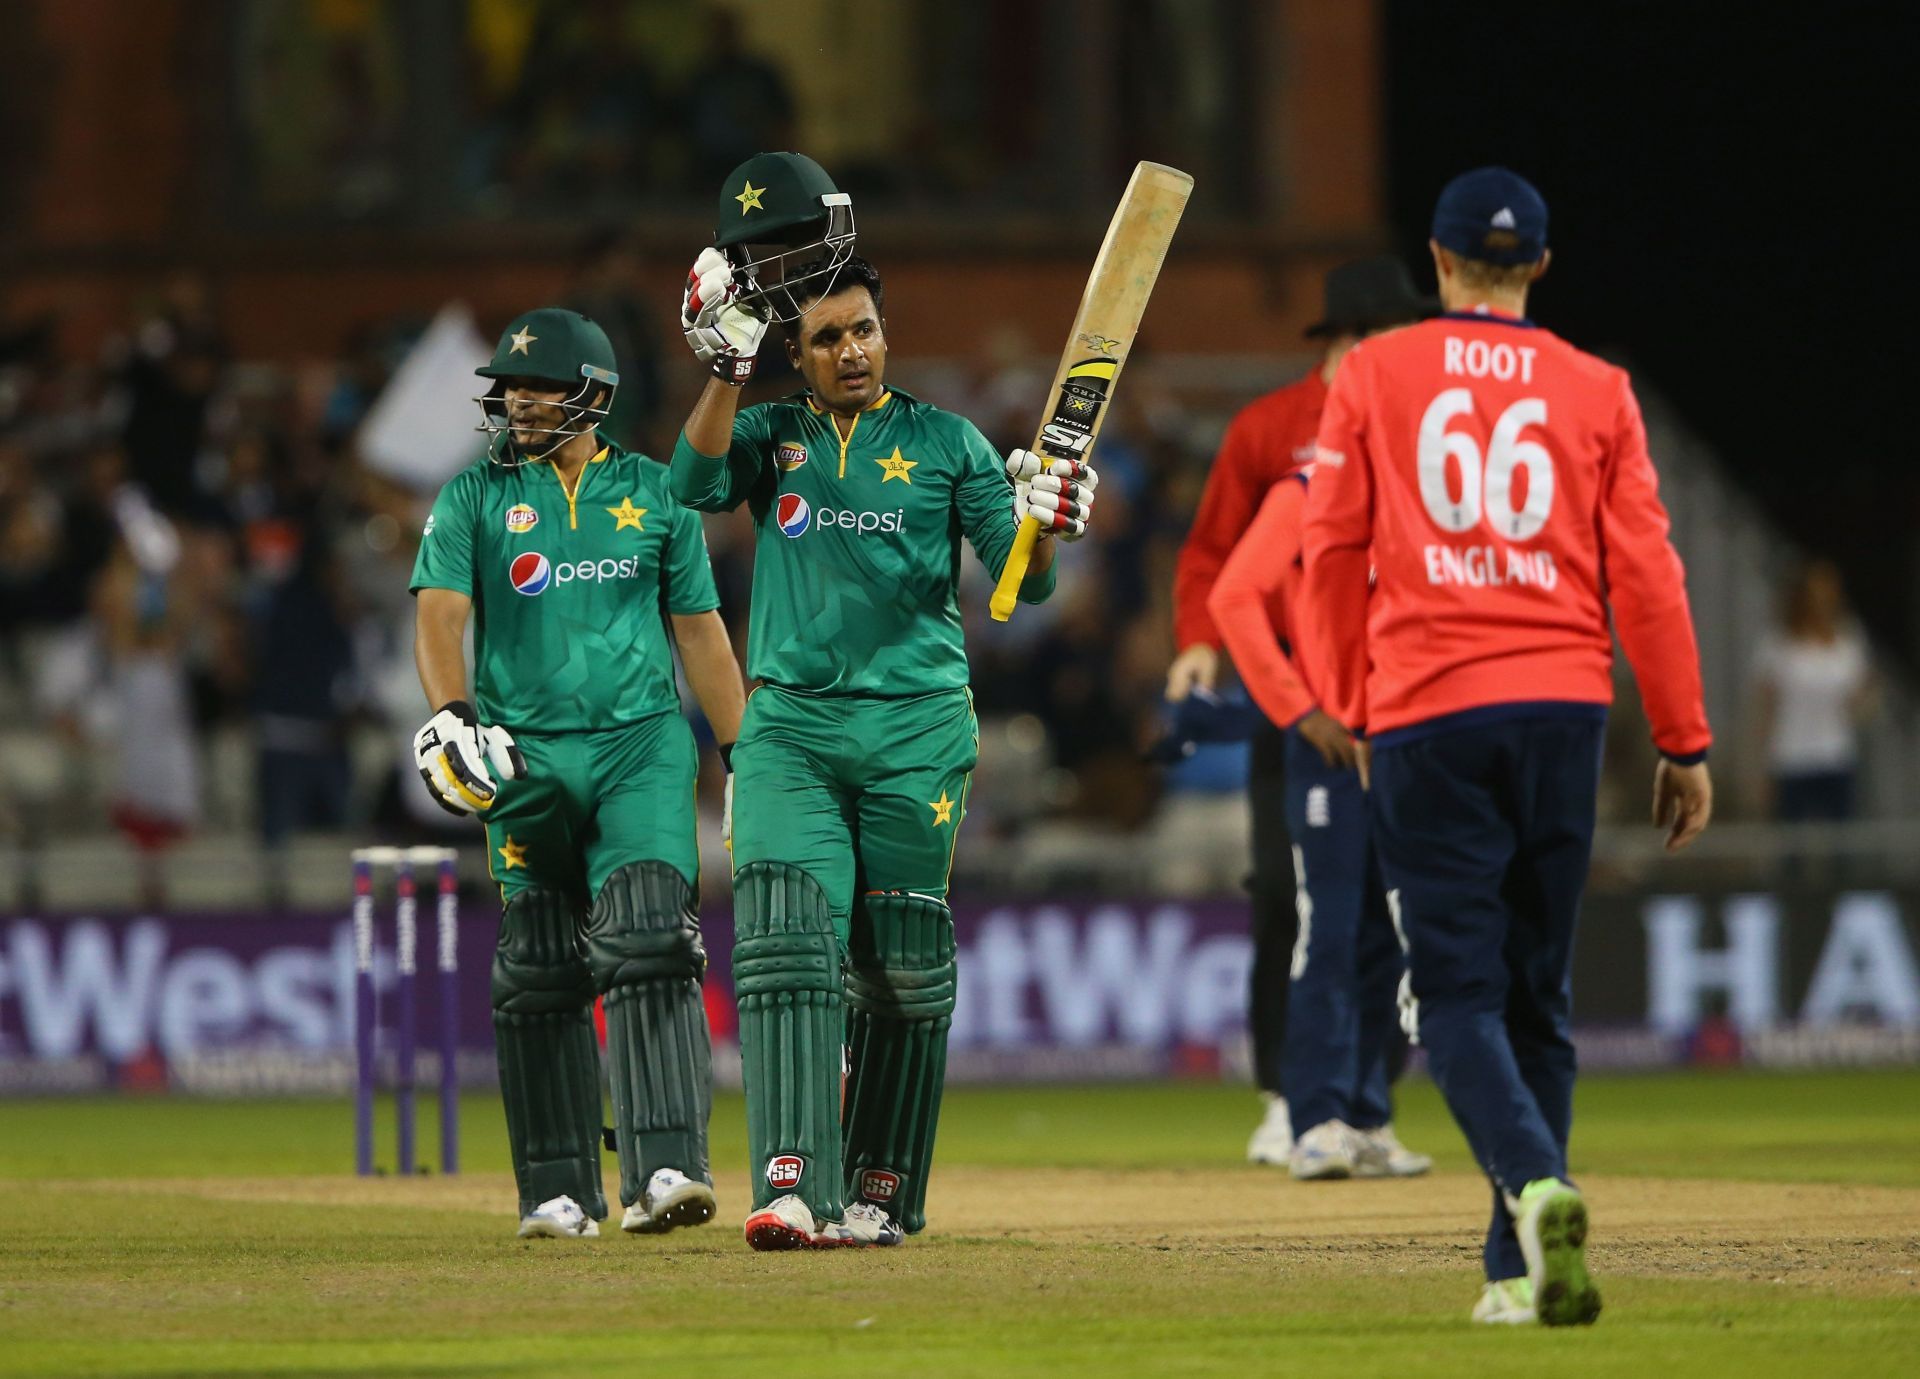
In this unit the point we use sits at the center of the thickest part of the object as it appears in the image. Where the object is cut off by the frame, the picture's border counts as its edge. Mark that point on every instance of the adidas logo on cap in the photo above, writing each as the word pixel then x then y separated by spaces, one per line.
pixel 1503 219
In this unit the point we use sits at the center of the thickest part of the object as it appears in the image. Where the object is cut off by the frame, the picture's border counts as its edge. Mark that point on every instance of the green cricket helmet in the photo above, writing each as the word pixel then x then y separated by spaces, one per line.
pixel 782 223
pixel 556 346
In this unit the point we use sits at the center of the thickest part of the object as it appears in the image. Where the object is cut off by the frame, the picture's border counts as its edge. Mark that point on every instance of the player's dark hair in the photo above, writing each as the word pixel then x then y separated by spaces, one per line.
pixel 1493 277
pixel 855 272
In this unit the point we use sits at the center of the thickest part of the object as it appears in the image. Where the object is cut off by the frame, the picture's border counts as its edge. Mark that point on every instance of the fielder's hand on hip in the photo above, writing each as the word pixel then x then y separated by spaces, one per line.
pixel 453 753
pixel 1196 668
pixel 1054 492
pixel 722 334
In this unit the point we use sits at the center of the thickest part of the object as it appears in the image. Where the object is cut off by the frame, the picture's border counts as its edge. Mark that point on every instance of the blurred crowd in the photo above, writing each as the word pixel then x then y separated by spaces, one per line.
pixel 204 623
pixel 205 626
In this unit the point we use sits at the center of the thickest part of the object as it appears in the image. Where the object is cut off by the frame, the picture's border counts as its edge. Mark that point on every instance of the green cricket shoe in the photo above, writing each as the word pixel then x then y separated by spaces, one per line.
pixel 1550 1218
pixel 1506 1302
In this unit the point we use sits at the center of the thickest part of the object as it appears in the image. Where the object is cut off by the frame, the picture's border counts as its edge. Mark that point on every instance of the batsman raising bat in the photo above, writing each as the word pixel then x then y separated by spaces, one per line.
pixel 859 738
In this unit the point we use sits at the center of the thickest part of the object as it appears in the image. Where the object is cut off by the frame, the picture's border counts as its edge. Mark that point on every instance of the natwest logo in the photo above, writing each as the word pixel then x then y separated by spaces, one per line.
pixel 784 1170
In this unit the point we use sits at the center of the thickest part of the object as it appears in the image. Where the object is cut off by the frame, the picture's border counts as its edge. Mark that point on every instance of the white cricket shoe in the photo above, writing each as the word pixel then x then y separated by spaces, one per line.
pixel 1324 1152
pixel 787 1223
pixel 1379 1154
pixel 871 1225
pixel 1272 1141
pixel 558 1218
pixel 671 1199
pixel 1506 1302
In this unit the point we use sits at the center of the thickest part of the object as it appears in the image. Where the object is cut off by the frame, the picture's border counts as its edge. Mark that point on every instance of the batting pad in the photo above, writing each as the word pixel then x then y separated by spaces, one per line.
pixel 549 1059
pixel 900 992
pixel 643 945
pixel 786 974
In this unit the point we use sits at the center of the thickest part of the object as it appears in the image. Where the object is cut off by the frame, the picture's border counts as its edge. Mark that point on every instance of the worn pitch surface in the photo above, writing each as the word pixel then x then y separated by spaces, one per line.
pixel 1747 1225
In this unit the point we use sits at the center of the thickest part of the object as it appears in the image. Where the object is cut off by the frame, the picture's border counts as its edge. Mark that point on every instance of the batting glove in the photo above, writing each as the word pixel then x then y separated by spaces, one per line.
pixel 453 752
pixel 1056 493
pixel 726 805
pixel 722 334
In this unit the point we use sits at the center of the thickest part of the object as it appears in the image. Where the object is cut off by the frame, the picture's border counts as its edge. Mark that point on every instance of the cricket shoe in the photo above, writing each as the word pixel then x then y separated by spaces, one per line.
pixel 558 1218
pixel 1272 1141
pixel 1378 1153
pixel 1324 1153
pixel 671 1199
pixel 787 1223
pixel 871 1225
pixel 1506 1302
pixel 1550 1217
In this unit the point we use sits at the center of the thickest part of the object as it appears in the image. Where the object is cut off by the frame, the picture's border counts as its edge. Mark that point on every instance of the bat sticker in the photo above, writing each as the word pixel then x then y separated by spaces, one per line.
pixel 1069 431
pixel 1099 344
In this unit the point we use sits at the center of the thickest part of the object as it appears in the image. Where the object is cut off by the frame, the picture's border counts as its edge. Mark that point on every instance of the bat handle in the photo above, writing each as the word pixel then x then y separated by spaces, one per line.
pixel 1008 589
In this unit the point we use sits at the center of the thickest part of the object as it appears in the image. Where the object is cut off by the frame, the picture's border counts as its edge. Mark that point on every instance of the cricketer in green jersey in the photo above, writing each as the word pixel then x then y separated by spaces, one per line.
pixel 859 739
pixel 580 574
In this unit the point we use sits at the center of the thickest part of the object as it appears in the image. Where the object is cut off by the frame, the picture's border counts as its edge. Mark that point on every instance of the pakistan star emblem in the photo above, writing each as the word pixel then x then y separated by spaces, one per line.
pixel 942 810
pixel 749 198
pixel 627 515
pixel 521 339
pixel 895 466
pixel 512 855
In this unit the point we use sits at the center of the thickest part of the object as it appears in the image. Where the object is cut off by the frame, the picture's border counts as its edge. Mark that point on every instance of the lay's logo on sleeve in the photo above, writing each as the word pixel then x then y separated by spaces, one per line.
pixel 521 518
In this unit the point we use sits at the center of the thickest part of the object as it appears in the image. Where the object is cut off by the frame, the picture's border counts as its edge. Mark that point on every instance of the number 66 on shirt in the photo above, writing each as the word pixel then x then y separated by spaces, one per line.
pixel 1496 480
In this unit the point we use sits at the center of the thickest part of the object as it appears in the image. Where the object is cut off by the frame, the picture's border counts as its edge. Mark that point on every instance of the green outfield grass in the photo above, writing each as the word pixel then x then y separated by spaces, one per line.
pixel 110 1270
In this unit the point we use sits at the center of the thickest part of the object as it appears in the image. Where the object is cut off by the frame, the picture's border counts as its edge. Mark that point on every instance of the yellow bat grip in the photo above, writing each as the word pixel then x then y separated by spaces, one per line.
pixel 1008 589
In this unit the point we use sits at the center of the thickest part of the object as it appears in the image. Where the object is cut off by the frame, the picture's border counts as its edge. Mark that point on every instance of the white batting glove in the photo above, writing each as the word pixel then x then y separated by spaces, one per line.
pixel 453 752
pixel 722 334
pixel 1056 493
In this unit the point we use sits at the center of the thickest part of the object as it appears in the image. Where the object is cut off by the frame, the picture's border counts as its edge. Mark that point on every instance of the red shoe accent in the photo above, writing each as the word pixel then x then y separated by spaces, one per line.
pixel 766 1231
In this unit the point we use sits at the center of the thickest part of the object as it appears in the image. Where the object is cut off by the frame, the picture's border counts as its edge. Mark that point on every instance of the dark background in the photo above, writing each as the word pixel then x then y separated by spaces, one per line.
pixel 1737 169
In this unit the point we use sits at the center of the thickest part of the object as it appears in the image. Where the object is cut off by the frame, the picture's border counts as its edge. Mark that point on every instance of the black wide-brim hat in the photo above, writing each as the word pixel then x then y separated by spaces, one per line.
pixel 1369 294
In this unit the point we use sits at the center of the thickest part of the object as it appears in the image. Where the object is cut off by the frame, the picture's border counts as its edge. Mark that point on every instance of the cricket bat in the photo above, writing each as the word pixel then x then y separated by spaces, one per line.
pixel 1109 317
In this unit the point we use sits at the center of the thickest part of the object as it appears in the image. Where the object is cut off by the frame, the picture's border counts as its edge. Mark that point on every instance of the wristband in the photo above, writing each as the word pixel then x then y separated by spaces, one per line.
pixel 734 369
pixel 726 756
pixel 463 711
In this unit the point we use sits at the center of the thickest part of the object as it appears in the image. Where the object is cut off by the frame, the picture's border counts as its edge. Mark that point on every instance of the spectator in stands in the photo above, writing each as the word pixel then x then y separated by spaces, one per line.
pixel 1816 688
pixel 737 104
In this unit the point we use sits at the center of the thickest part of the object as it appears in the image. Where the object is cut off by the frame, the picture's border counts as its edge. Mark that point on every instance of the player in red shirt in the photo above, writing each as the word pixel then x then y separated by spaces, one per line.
pixel 1343 1046
pixel 1497 481
pixel 1268 439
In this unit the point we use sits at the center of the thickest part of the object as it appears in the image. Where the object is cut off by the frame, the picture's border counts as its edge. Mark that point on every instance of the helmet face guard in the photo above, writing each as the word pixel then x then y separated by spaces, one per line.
pixel 770 274
pixel 580 419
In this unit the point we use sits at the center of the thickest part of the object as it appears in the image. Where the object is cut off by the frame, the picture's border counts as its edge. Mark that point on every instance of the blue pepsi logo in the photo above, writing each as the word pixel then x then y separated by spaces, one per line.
pixel 793 515
pixel 530 573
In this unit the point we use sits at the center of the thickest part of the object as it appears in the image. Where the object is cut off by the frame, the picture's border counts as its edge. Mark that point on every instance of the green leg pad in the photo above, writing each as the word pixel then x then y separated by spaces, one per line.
pixel 786 973
pixel 643 945
pixel 900 989
pixel 549 1059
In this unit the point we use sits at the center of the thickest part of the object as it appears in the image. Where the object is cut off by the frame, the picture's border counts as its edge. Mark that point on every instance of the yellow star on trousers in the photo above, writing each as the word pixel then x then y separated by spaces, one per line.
pixel 942 809
pixel 512 855
pixel 750 198
pixel 521 339
pixel 627 515
pixel 896 467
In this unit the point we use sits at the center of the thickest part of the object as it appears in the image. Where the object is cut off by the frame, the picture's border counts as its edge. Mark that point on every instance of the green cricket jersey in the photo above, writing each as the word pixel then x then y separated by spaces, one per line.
pixel 570 591
pixel 857 557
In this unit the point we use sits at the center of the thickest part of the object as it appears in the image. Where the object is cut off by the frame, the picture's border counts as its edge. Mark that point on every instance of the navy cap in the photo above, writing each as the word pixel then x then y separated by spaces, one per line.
pixel 1493 215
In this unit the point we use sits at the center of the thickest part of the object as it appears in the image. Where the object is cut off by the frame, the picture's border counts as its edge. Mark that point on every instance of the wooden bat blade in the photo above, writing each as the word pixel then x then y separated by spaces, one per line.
pixel 1122 280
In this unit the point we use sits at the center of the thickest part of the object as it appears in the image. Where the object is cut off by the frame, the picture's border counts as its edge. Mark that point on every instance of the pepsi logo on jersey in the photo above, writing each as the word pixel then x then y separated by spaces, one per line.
pixel 530 573
pixel 792 515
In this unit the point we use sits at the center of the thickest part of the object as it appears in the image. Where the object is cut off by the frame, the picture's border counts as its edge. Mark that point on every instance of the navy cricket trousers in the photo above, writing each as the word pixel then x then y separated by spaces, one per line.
pixel 1484 822
pixel 1342 1029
